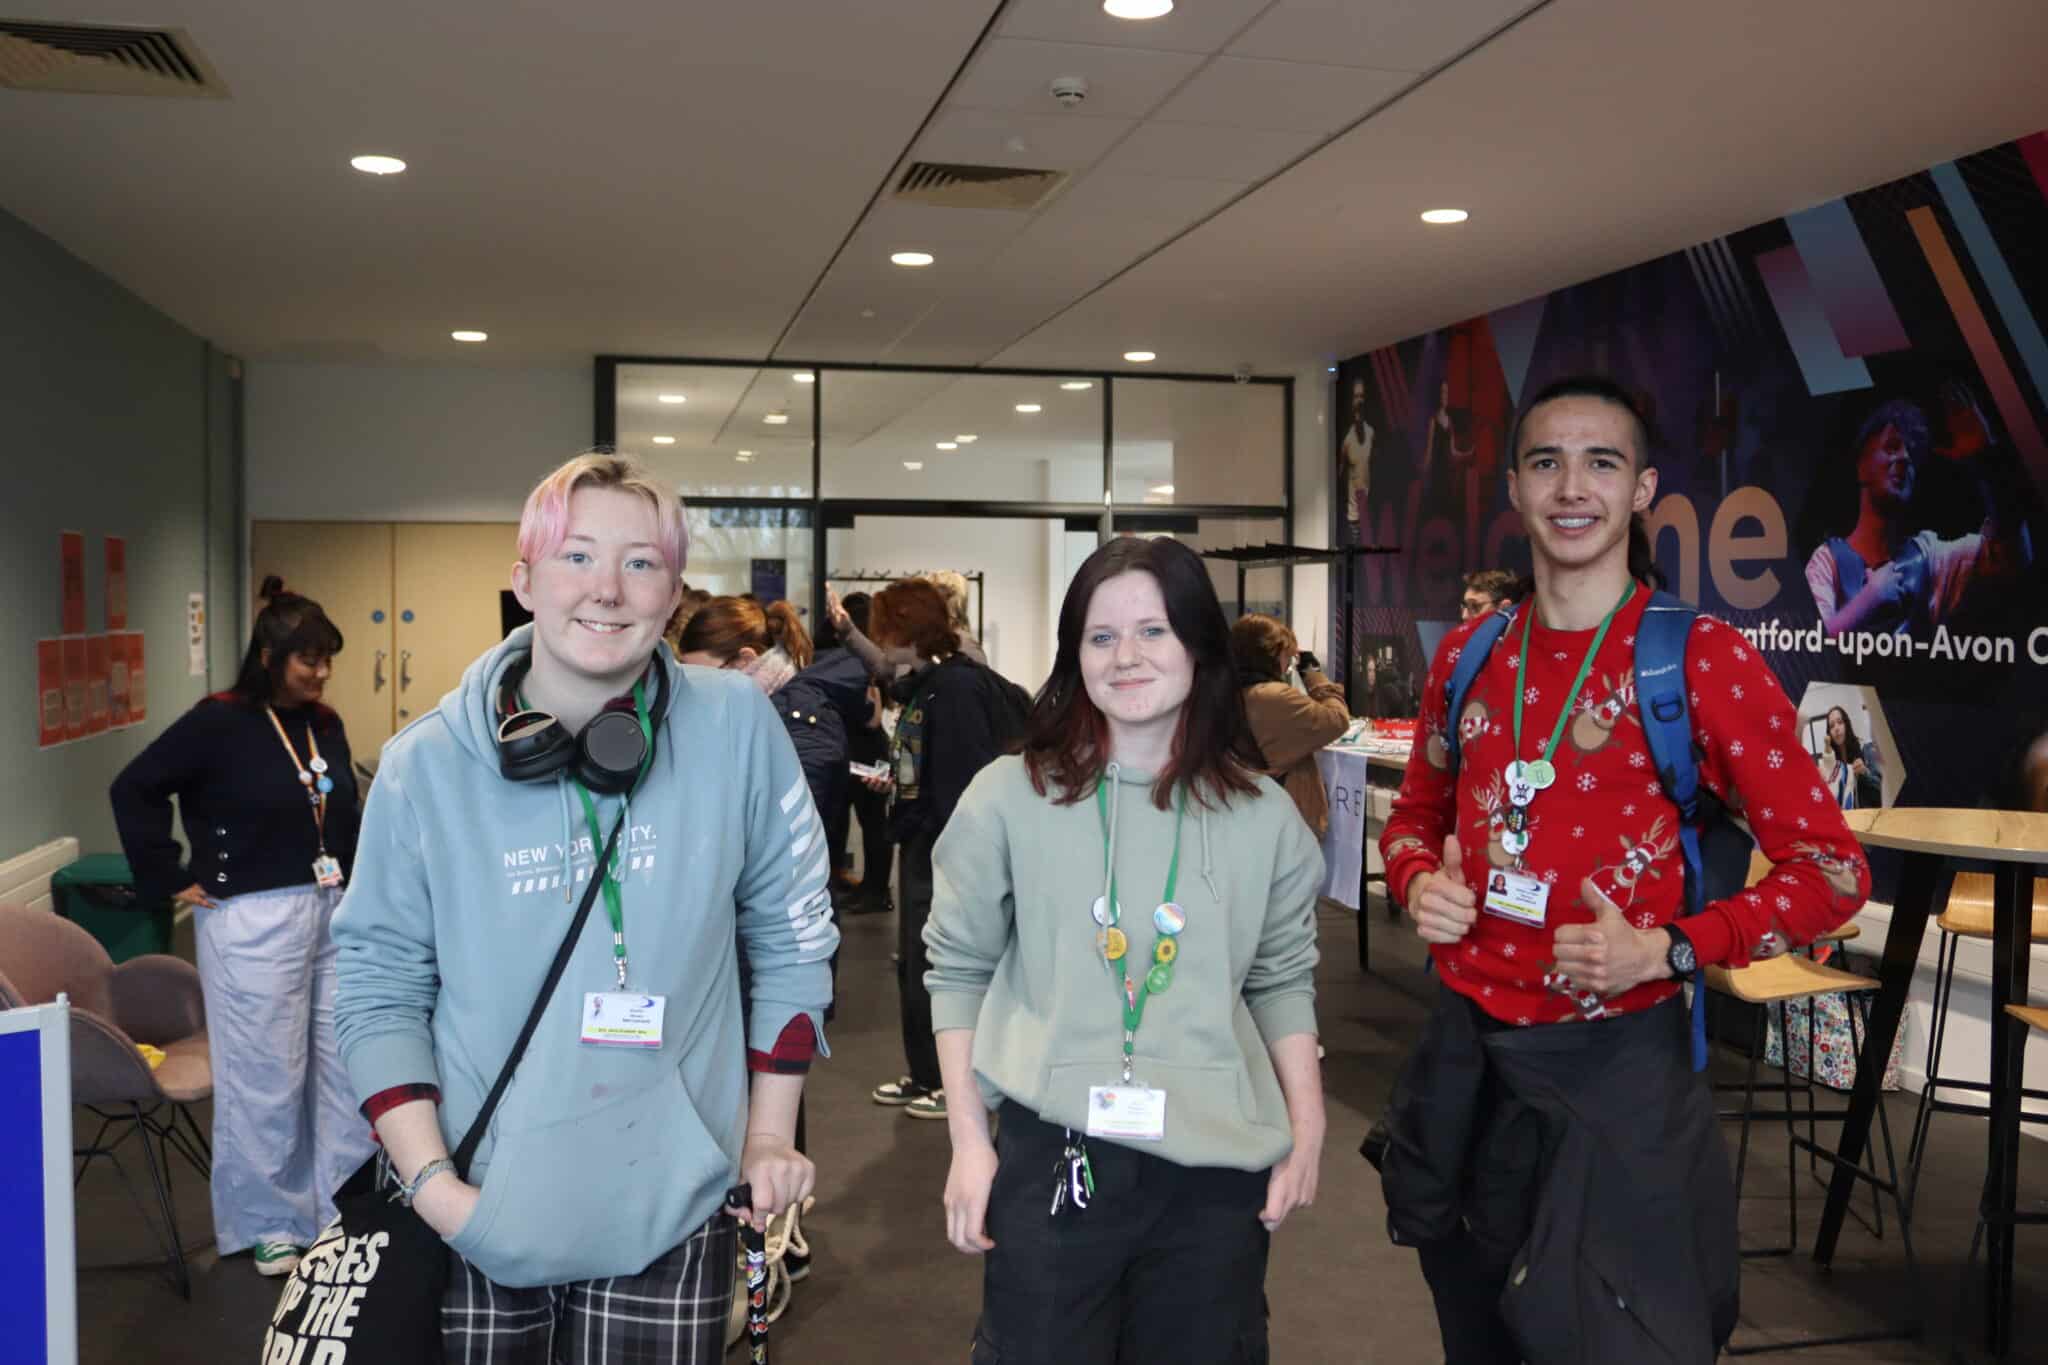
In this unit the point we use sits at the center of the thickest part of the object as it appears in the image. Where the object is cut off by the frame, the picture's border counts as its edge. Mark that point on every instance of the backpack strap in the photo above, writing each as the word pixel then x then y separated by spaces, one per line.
pixel 1471 659
pixel 1667 726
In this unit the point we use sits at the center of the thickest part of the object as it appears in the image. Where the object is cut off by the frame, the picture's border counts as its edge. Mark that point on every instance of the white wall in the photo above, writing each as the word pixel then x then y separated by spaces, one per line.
pixel 119 422
pixel 1013 556
pixel 330 442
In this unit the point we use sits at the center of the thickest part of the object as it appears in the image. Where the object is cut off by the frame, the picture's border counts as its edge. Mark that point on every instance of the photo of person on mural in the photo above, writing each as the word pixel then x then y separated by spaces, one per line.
pixel 1355 459
pixel 1890 572
pixel 1850 764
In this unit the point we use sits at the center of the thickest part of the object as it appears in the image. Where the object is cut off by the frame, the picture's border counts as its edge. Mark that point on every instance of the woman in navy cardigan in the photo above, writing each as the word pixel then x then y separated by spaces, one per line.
pixel 265 790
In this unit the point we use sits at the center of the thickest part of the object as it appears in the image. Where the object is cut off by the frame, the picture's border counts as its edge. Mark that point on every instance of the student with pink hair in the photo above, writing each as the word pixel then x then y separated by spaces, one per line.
pixel 588 1227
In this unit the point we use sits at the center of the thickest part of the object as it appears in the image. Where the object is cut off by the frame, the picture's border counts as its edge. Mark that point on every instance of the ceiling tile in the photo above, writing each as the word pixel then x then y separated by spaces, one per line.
pixel 1194 25
pixel 1199 151
pixel 1053 142
pixel 1392 35
pixel 1242 93
pixel 1151 199
pixel 1123 82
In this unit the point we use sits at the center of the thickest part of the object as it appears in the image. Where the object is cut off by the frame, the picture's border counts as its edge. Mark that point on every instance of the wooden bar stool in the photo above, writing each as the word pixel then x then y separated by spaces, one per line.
pixel 1837 937
pixel 1967 916
pixel 1770 986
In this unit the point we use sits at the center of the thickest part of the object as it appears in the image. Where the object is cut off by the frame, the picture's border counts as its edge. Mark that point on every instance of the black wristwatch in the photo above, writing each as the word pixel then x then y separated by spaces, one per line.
pixel 1682 959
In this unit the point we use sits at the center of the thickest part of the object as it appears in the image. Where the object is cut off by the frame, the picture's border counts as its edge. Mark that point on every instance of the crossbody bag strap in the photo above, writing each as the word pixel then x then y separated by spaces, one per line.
pixel 466 1152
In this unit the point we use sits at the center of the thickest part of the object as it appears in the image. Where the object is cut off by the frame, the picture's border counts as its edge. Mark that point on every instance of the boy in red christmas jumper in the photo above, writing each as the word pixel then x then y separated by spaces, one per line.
pixel 1557 795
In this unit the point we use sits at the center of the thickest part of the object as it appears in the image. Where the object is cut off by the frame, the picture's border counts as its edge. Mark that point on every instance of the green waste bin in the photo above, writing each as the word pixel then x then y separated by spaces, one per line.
pixel 97 893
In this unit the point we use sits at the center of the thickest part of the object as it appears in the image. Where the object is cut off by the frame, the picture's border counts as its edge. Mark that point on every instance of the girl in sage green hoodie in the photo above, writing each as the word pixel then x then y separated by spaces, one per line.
pixel 1123 951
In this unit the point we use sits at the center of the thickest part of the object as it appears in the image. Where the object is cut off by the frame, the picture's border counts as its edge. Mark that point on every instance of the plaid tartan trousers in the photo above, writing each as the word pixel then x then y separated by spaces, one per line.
pixel 672 1313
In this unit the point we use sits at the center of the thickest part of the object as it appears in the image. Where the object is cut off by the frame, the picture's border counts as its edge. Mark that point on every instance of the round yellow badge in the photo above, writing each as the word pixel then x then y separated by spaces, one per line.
pixel 1165 950
pixel 1114 944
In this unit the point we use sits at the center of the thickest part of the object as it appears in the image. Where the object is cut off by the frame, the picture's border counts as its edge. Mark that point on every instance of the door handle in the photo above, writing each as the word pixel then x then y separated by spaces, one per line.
pixel 404 669
pixel 377 678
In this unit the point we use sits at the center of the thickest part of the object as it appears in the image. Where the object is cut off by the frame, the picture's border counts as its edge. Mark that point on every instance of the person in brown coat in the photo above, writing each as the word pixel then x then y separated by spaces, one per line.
pixel 1288 725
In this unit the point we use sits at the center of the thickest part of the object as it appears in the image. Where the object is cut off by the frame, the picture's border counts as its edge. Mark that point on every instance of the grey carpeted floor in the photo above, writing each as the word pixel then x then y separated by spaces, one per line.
pixel 886 1287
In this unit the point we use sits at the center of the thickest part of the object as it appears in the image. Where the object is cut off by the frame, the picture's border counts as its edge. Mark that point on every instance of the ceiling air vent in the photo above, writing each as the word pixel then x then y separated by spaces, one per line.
pixel 977 187
pixel 97 59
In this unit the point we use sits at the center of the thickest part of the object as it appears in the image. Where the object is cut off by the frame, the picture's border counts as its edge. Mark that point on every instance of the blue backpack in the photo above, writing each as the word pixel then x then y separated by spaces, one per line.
pixel 1716 848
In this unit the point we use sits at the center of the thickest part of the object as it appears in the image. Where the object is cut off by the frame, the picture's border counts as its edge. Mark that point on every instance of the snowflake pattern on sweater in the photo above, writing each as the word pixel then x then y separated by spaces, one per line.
pixel 1606 816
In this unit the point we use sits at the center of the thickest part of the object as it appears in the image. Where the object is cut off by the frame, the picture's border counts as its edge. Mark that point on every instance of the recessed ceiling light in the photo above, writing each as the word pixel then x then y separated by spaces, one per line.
pixel 470 336
pixel 1078 385
pixel 777 419
pixel 377 165
pixel 1140 357
pixel 911 258
pixel 664 440
pixel 1444 215
pixel 969 439
pixel 671 398
pixel 1137 9
pixel 948 445
pixel 1028 407
pixel 1164 490
pixel 745 457
pixel 804 377
pixel 913 465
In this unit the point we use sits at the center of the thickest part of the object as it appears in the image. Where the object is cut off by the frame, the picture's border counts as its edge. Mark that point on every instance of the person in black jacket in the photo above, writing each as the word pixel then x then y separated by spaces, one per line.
pixel 265 790
pixel 949 730
pixel 866 743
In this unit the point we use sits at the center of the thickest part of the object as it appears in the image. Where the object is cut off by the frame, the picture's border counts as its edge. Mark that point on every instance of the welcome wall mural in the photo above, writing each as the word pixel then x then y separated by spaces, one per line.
pixel 1852 415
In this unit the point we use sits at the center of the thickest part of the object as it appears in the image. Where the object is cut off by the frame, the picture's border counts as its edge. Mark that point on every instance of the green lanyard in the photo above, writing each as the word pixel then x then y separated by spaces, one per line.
pixel 1544 773
pixel 614 899
pixel 1115 947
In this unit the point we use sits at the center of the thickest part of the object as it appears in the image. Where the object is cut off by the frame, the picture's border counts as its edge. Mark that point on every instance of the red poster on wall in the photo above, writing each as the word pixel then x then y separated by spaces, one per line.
pixel 117 681
pixel 74 687
pixel 98 661
pixel 138 693
pixel 117 583
pixel 71 554
pixel 49 693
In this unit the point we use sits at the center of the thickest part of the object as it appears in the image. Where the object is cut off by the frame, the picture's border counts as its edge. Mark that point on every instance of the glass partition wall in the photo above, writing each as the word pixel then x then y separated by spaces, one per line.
pixel 800 475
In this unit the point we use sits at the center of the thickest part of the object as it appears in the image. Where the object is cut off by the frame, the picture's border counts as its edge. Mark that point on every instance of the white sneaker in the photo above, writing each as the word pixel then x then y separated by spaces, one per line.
pixel 276 1258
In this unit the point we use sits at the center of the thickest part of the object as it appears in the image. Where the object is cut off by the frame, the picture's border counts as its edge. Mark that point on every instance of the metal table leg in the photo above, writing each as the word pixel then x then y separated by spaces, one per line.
pixel 2012 919
pixel 1923 883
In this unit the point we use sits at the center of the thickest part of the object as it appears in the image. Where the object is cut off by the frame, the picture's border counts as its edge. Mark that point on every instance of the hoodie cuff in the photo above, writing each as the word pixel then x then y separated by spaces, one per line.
pixel 1285 1016
pixel 956 1009
pixel 386 1060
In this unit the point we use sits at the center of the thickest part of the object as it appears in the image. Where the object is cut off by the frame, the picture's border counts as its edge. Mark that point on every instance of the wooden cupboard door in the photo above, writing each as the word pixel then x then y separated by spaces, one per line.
pixel 345 567
pixel 450 577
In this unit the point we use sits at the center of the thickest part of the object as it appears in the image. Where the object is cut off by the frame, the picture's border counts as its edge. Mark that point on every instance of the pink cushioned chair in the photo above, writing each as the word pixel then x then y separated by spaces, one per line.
pixel 153 999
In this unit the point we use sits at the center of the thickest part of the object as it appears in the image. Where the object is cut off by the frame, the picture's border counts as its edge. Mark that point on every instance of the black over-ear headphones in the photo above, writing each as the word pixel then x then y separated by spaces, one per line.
pixel 608 756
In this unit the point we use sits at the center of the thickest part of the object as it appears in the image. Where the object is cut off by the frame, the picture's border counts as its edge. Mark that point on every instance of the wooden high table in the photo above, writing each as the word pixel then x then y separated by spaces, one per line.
pixel 1933 840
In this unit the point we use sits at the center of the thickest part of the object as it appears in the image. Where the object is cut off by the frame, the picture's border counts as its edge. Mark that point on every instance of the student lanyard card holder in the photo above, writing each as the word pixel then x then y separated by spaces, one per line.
pixel 312 775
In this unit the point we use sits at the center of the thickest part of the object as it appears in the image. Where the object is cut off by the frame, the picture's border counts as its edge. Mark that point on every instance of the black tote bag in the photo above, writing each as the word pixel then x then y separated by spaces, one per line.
pixel 369 1289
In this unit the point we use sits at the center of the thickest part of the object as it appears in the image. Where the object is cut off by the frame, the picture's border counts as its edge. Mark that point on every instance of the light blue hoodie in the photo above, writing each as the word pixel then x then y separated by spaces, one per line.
pixel 598 1159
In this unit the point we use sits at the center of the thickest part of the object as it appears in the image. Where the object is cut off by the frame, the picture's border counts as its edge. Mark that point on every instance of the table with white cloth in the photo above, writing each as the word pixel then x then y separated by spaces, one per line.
pixel 1351 856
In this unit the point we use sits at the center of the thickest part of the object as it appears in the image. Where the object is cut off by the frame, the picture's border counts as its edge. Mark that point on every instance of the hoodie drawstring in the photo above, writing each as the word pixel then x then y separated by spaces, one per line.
pixel 1110 775
pixel 1208 867
pixel 568 863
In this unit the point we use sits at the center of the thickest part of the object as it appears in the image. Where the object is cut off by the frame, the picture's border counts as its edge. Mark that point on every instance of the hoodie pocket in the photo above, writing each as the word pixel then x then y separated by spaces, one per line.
pixel 596 1195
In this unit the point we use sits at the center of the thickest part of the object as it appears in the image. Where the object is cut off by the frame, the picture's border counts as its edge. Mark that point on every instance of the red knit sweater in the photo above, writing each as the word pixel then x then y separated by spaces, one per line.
pixel 1606 816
